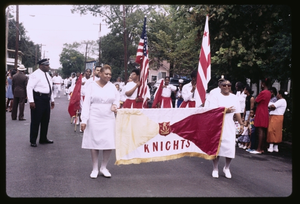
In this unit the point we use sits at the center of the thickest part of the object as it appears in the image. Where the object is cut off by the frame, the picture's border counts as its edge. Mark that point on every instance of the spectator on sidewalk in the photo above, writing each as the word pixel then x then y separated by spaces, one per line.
pixel 19 83
pixel 241 95
pixel 262 116
pixel 249 102
pixel 9 92
pixel 274 135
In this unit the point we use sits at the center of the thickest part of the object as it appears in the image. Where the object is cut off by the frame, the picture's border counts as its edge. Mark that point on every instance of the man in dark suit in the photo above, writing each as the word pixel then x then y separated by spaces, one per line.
pixel 19 82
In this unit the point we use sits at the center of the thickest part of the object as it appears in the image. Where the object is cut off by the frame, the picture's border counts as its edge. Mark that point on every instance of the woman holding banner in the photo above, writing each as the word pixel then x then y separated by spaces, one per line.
pixel 98 119
pixel 227 147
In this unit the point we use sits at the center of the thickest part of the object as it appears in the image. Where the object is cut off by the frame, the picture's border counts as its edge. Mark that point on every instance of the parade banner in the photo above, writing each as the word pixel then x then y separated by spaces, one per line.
pixel 148 135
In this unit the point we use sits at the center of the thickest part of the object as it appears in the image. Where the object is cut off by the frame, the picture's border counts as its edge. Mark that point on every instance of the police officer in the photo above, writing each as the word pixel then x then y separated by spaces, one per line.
pixel 40 97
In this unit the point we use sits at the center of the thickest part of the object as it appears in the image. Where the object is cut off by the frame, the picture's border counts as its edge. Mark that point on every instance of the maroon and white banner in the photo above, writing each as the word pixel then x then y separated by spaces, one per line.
pixel 147 135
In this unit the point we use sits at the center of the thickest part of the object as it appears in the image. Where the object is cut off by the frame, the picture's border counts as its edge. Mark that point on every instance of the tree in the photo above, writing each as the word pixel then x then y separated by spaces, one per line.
pixel 71 59
pixel 113 14
pixel 27 47
pixel 243 38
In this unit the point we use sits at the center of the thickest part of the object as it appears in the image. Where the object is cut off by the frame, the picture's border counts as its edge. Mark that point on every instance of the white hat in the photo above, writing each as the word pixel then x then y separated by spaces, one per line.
pixel 21 68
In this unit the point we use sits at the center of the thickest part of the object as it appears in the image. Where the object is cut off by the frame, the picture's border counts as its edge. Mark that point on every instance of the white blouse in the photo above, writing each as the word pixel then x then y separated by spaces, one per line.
pixel 280 107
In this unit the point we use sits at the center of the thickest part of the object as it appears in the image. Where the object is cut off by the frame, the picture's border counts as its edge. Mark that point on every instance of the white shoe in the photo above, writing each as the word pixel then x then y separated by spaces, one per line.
pixel 275 148
pixel 270 149
pixel 105 173
pixel 255 152
pixel 94 174
pixel 215 174
pixel 227 173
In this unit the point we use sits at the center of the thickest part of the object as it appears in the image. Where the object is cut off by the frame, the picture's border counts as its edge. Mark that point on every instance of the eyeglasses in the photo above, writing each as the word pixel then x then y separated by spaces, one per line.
pixel 224 85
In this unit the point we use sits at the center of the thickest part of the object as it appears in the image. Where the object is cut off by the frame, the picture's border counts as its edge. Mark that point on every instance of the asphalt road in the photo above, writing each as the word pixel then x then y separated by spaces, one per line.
pixel 62 169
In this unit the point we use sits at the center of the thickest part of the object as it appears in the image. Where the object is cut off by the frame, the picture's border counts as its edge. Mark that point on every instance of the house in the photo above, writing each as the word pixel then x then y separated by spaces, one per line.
pixel 158 69
pixel 10 59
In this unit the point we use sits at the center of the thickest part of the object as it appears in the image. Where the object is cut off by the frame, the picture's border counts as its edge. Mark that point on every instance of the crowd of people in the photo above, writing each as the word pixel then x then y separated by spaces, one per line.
pixel 249 122
pixel 263 119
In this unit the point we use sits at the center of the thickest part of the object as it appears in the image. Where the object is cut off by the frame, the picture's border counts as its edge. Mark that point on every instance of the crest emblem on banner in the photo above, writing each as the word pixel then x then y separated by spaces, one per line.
pixel 164 128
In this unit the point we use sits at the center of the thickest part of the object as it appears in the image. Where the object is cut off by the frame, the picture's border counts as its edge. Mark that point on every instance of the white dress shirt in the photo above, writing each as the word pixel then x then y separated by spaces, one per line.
pixel 130 86
pixel 37 82
pixel 166 92
pixel 57 80
pixel 242 98
pixel 187 95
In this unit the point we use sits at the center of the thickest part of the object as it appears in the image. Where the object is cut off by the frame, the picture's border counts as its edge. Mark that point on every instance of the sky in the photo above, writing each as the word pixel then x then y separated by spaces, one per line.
pixel 54 25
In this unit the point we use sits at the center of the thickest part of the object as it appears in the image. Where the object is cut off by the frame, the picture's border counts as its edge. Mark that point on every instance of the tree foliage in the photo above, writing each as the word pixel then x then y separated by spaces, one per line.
pixel 71 59
pixel 112 45
pixel 247 41
pixel 26 46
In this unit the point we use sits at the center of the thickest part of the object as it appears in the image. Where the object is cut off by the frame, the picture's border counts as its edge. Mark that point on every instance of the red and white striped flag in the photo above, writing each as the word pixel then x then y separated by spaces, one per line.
pixel 142 59
pixel 204 68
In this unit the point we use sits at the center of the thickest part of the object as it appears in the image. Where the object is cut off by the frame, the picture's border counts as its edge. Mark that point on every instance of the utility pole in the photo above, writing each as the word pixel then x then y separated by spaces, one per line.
pixel 125 46
pixel 36 51
pixel 99 35
pixel 6 37
pixel 86 47
pixel 17 38
pixel 100 44
pixel 41 48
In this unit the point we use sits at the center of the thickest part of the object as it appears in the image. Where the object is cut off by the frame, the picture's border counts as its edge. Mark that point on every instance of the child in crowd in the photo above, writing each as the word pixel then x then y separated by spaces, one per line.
pixel 244 139
pixel 252 145
pixel 237 129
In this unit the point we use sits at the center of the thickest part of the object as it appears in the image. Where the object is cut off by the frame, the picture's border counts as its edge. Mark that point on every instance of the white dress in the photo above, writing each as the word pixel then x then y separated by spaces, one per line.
pixel 98 117
pixel 227 147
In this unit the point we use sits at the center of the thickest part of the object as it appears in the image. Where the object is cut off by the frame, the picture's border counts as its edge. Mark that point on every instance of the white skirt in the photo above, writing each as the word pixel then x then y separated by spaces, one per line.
pixel 227 147
pixel 100 128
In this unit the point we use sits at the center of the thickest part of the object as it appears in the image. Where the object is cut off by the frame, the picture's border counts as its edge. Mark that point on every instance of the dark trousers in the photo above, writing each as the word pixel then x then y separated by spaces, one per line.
pixel 40 116
pixel 253 140
pixel 18 101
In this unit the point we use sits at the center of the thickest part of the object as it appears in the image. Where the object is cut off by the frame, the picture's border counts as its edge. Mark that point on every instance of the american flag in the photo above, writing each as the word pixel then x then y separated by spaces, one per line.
pixel 204 67
pixel 142 59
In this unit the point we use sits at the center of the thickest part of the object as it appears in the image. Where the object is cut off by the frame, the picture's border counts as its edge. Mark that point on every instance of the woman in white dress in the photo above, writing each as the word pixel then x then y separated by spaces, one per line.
pixel 98 120
pixel 227 147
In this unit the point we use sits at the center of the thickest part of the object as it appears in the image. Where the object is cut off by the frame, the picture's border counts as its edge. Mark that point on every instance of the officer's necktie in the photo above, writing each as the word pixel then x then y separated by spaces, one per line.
pixel 48 84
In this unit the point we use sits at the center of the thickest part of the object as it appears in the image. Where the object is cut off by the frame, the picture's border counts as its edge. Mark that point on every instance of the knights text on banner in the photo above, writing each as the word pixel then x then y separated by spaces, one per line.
pixel 148 135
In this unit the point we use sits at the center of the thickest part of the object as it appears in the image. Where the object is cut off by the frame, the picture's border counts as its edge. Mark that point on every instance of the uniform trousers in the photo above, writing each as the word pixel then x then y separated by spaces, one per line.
pixel 40 116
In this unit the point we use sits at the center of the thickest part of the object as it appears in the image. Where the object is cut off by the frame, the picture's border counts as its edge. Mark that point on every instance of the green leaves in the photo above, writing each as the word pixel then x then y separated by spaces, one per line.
pixel 71 60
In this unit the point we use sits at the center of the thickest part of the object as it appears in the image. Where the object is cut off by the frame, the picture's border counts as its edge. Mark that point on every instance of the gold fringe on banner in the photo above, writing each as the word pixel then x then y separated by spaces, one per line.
pixel 164 158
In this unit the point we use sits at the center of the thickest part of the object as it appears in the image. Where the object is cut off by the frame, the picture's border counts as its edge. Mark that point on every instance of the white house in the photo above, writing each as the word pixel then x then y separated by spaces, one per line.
pixel 158 69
